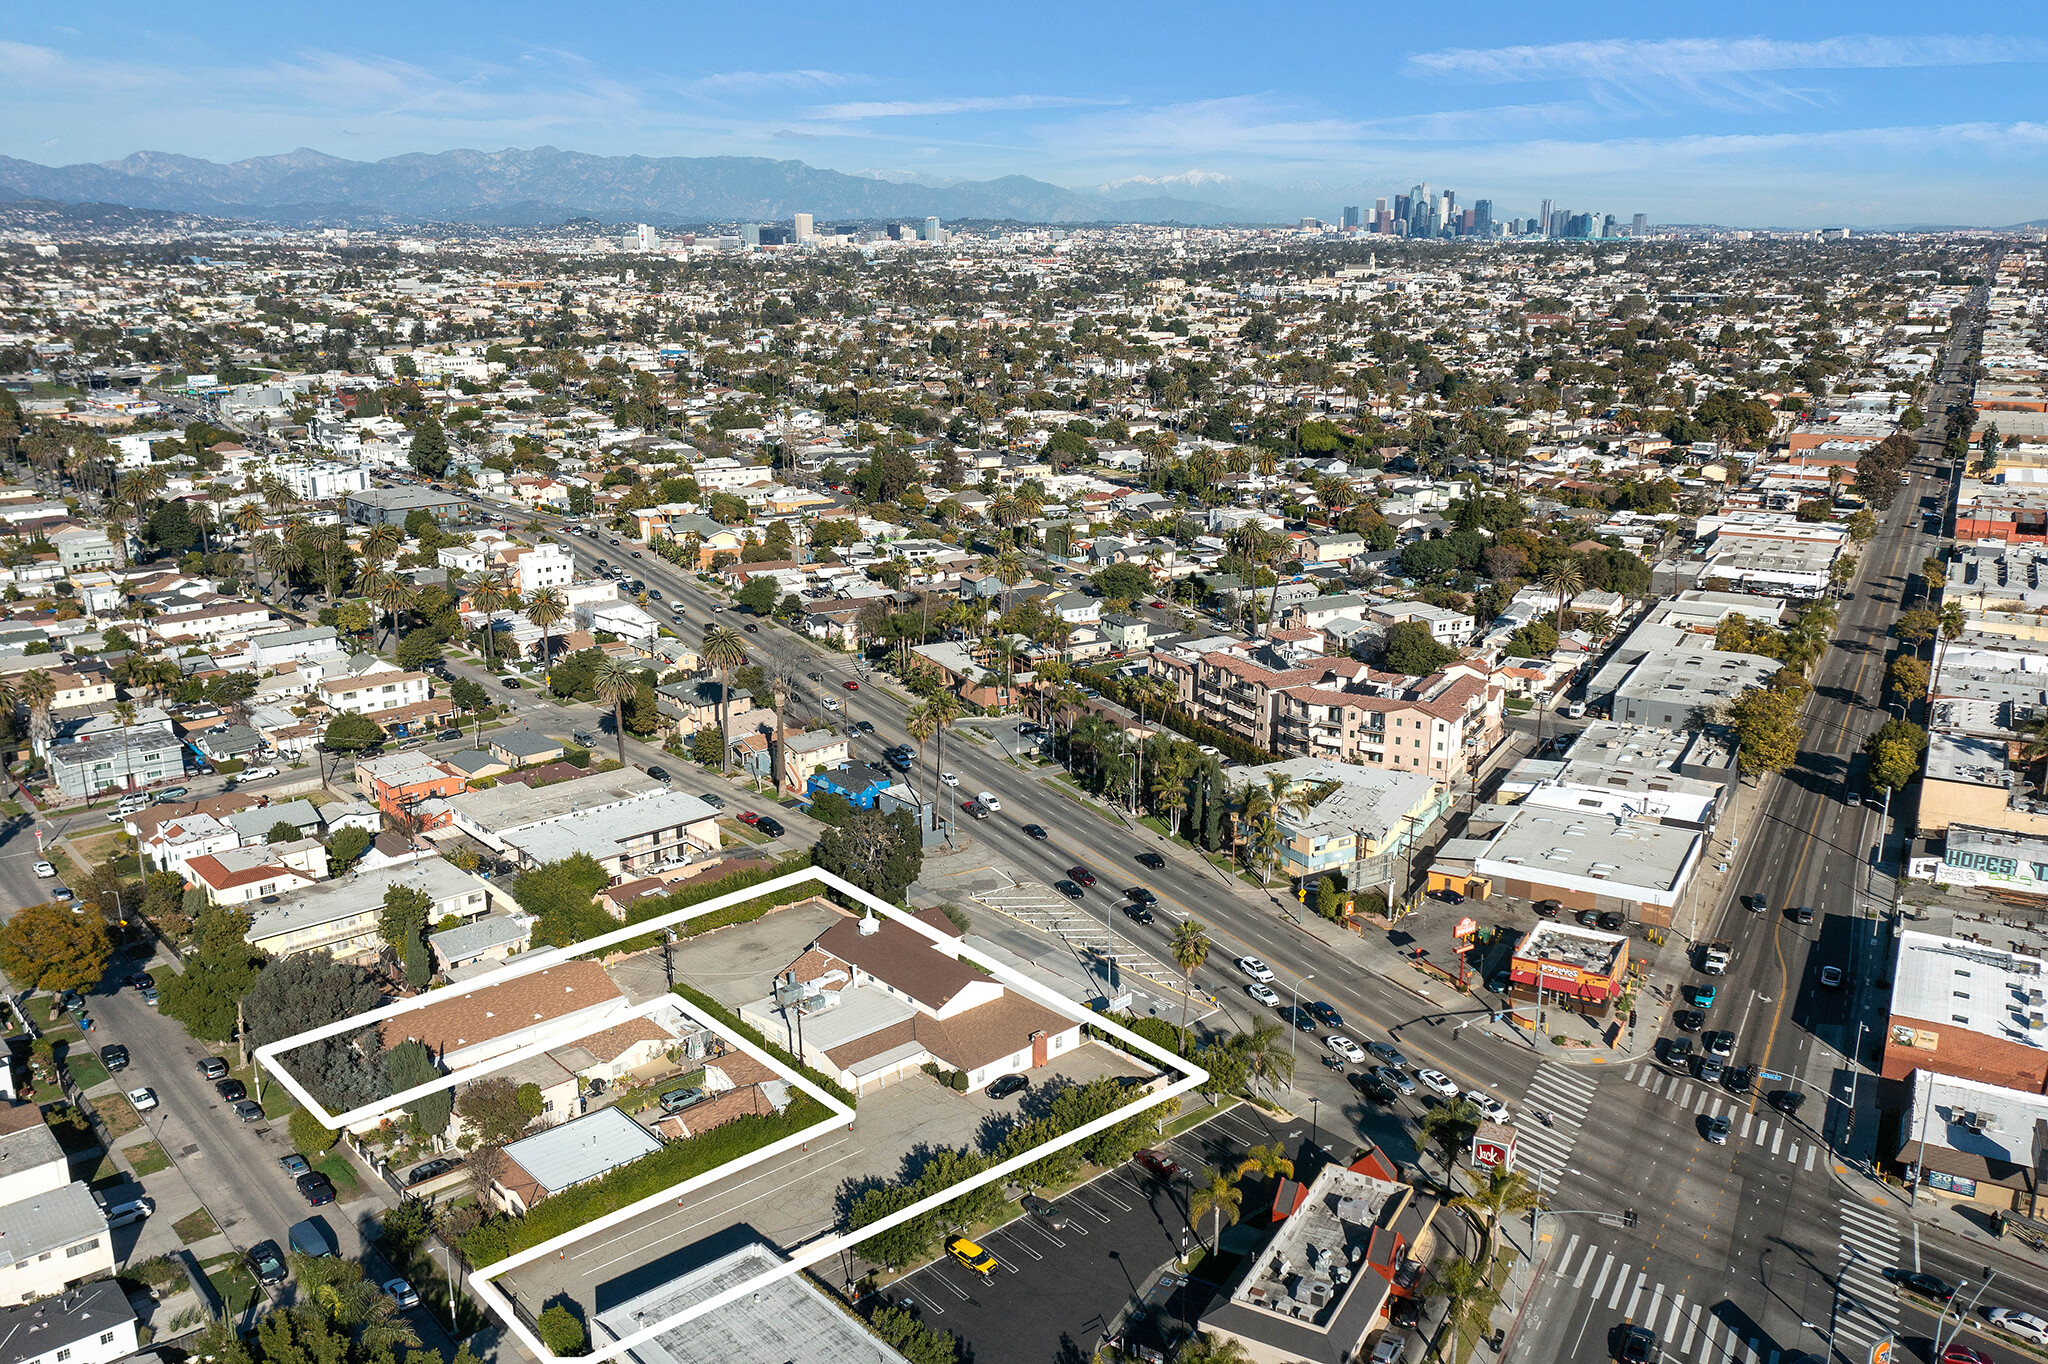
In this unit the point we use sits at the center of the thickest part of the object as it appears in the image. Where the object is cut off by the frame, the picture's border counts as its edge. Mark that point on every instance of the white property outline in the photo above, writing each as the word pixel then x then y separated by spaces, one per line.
pixel 481 1280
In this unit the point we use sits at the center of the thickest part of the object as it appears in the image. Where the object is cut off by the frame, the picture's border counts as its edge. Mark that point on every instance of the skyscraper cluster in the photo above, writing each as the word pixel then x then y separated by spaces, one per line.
pixel 1427 213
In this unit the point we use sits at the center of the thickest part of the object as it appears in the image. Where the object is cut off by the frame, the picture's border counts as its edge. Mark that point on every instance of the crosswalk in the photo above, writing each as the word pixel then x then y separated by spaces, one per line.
pixel 1866 1307
pixel 1766 1130
pixel 1564 1094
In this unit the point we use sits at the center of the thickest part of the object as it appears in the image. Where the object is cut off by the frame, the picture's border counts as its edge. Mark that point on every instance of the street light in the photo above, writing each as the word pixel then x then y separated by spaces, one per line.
pixel 1293 1032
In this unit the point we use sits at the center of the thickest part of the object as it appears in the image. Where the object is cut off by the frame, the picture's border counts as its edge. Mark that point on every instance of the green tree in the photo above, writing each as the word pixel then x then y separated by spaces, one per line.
pixel 1894 751
pixel 1908 677
pixel 345 847
pixel 47 947
pixel 469 696
pixel 220 968
pixel 1215 1195
pixel 911 1338
pixel 878 852
pixel 351 734
pixel 404 914
pixel 494 1110
pixel 562 1331
pixel 1767 732
pixel 1448 1127
pixel 758 595
pixel 429 453
pixel 1412 651
pixel 310 1137
pixel 409 1064
pixel 561 896
pixel 284 831
pixel 418 648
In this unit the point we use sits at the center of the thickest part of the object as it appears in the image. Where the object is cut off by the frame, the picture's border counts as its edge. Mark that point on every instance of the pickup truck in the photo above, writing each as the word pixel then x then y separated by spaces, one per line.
pixel 1714 957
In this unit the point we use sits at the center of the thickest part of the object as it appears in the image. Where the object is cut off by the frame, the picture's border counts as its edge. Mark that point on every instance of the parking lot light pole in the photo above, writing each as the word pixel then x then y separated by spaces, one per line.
pixel 1293 1030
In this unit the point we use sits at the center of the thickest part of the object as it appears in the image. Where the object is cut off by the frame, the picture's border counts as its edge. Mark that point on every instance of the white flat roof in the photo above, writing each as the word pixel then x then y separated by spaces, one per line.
pixel 785 1320
pixel 1948 982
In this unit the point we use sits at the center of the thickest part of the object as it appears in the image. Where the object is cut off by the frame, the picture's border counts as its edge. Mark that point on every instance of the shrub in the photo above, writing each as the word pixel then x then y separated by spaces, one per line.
pixel 561 1332
pixel 309 1136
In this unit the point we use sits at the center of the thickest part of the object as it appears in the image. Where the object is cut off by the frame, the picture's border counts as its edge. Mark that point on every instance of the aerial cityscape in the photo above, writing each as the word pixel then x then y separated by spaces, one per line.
pixel 767 695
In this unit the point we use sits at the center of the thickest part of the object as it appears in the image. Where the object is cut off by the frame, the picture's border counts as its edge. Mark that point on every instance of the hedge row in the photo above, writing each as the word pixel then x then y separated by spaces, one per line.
pixel 728 1021
pixel 492 1241
pixel 654 906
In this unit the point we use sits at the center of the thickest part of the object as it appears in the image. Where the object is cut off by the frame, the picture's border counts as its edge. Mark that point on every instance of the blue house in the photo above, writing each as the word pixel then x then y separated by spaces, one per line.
pixel 860 783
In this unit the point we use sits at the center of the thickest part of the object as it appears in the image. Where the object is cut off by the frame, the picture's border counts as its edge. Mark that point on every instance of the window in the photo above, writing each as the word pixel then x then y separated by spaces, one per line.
pixel 106 1337
pixel 1959 1018
pixel 63 1355
pixel 82 1247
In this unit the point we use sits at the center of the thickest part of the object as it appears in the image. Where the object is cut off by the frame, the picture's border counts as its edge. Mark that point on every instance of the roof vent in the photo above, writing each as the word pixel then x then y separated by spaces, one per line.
pixel 870 925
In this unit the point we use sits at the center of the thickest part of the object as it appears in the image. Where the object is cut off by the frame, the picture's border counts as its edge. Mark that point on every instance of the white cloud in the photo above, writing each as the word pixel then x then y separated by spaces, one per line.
pixel 757 82
pixel 931 108
pixel 1627 60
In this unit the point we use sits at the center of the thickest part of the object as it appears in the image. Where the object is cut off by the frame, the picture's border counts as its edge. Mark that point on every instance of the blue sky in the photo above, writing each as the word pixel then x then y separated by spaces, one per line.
pixel 1737 113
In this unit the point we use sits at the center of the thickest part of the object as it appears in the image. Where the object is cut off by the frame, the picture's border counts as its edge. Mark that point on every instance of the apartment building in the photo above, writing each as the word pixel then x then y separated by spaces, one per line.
pixel 341 916
pixel 380 688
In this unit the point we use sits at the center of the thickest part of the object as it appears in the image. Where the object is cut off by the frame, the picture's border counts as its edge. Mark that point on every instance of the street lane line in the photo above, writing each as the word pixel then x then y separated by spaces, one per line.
pixel 1591 1253
pixel 1681 1094
pixel 1692 1324
pixel 1601 1282
pixel 1629 1074
pixel 1701 1106
pixel 1793 1154
pixel 1747 1118
pixel 1620 1283
pixel 1707 1338
pixel 1565 1260
pixel 1715 1111
pixel 1649 1321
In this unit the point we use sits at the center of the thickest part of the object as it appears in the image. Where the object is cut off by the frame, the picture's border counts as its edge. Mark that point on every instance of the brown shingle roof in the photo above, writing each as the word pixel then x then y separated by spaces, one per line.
pixel 903 958
pixel 479 1015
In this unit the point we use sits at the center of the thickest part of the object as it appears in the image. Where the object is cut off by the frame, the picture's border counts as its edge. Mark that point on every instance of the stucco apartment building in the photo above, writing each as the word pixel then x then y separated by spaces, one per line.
pixel 399 784
pixel 379 688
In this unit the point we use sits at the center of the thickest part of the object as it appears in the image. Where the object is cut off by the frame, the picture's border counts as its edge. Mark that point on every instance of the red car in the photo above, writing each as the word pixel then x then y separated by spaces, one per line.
pixel 1082 874
pixel 1159 606
pixel 1963 1354
pixel 1158 1163
pixel 750 817
pixel 850 685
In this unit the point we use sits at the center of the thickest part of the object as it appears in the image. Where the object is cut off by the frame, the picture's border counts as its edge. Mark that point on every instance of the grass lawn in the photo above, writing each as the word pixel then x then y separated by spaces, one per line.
pixel 86 1070
pixel 745 833
pixel 11 807
pixel 105 1174
pixel 194 1226
pixel 1197 1117
pixel 97 848
pixel 337 1168
pixel 231 1279
pixel 147 1157
pixel 119 1115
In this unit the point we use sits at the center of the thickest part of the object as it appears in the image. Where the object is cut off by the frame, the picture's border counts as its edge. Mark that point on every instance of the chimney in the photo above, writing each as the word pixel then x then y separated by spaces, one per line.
pixel 870 925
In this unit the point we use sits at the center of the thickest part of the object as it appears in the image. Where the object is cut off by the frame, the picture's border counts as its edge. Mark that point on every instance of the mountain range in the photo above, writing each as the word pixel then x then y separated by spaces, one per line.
pixel 520 188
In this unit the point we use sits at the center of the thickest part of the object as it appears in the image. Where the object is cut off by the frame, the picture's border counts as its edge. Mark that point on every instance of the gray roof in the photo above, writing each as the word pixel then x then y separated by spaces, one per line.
pixel 472 760
pixel 29 1147
pixel 50 1220
pixel 525 743
pixel 259 820
pixel 37 1330
pixel 781 1321
pixel 582 1149
pixel 331 901
pixel 493 930
pixel 402 499
pixel 513 806
pixel 137 744
pixel 600 832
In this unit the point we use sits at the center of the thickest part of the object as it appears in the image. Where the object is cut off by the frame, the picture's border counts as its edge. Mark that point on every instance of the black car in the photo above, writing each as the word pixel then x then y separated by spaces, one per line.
pixel 1139 895
pixel 1068 888
pixel 1299 1017
pixel 1370 1084
pixel 715 801
pixel 1720 1043
pixel 266 1262
pixel 231 1091
pixel 432 1169
pixel 1402 1313
pixel 1037 832
pixel 1612 920
pixel 1548 909
pixel 1740 1080
pixel 1787 1101
pixel 1324 1014
pixel 660 774
pixel 1448 896
pixel 1008 1085
pixel 752 628
pixel 1689 1020
pixel 1927 1285
pixel 1044 1212
pixel 114 1058
pixel 1638 1346
pixel 862 727
pixel 1588 919
pixel 141 980
pixel 1138 913
pixel 1152 860
pixel 450 734
pixel 1678 1051
pixel 316 1187
pixel 514 683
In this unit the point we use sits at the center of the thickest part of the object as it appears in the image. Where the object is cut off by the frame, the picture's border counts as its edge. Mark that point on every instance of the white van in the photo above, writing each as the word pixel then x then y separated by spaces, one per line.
pixel 121 1214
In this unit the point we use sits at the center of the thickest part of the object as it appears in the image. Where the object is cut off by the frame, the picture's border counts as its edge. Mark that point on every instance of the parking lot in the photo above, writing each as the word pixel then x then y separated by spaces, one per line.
pixel 1055 1292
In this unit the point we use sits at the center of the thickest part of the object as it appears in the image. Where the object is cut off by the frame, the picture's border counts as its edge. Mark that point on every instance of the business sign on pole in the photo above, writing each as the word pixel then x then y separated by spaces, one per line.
pixel 1493 1144
pixel 1467 926
pixel 1881 1353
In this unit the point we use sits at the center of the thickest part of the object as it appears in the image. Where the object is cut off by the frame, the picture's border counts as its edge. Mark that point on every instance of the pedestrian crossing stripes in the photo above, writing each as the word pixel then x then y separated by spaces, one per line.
pixel 1866 1307
pixel 1690 1332
pixel 1763 1130
pixel 1563 1095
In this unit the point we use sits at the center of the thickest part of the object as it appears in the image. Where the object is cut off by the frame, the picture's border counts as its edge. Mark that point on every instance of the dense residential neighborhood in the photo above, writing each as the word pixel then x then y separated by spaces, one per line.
pixel 1338 661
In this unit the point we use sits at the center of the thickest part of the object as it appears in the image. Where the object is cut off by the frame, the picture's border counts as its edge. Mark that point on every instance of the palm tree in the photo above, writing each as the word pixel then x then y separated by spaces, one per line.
pixel 395 595
pixel 547 608
pixel 1170 788
pixel 1502 1193
pixel 1218 1195
pixel 382 542
pixel 1270 1161
pixel 1267 1061
pixel 1469 1288
pixel 613 684
pixel 1264 847
pixel 491 596
pixel 1208 1348
pixel 725 649
pixel 1447 1127
pixel 1953 623
pixel 38 691
pixel 267 552
pixel 1564 577
pixel 1190 949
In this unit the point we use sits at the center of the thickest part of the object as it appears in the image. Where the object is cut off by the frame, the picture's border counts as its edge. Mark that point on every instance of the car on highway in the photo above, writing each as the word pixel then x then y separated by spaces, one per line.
pixel 1678 1051
pixel 114 1058
pixel 1437 1082
pixel 1324 1014
pixel 1786 1101
pixel 1638 1346
pixel 1739 1080
pixel 1490 1108
pixel 1716 1130
pixel 850 685
pixel 1008 1085
pixel 1963 1354
pixel 1926 1285
pixel 974 808
pixel 172 793
pixel 1688 1020
pixel 266 1262
pixel 1138 913
pixel 143 1099
pixel 1140 895
pixel 294 1165
pixel 513 683
pixel 450 733
pixel 1758 904
pixel 988 801
pixel 1263 994
pixel 2025 1325
pixel 861 727
pixel 1152 860
pixel 1301 1018
pixel 1704 994
pixel 1082 874
pixel 1158 1162
pixel 1044 1212
pixel 1345 1047
pixel 401 1293
pixel 315 1188
pixel 1709 1069
pixel 1256 969
pixel 752 628
pixel 831 704
pixel 1802 914
pixel 1388 1054
pixel 231 1091
pixel 1036 831
pixel 430 1169
pixel 1831 976
pixel 1396 1078
pixel 1068 889
pixel 45 869
pixel 949 779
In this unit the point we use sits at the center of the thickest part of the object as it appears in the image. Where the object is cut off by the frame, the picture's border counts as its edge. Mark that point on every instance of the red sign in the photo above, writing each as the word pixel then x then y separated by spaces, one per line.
pixel 1466 928
pixel 1486 1154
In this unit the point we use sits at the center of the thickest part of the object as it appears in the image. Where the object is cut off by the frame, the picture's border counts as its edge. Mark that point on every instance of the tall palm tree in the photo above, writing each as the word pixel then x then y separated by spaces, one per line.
pixel 1264 846
pixel 920 724
pixel 613 683
pixel 1502 1193
pixel 382 542
pixel 1170 788
pixel 1953 623
pixel 1468 1287
pixel 1215 1195
pixel 494 594
pixel 38 691
pixel 1564 577
pixel 725 649
pixel 945 708
pixel 1009 572
pixel 547 608
pixel 248 517
pixel 1267 1059
pixel 1190 947
pixel 392 592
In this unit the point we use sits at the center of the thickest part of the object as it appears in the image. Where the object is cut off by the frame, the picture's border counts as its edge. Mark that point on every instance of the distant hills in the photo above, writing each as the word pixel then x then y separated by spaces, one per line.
pixel 522 188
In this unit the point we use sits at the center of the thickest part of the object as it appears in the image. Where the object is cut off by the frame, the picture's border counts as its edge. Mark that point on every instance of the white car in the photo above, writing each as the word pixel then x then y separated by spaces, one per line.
pixel 830 704
pixel 1438 1081
pixel 45 869
pixel 1490 1108
pixel 1263 994
pixel 401 1293
pixel 256 772
pixel 2025 1325
pixel 143 1099
pixel 988 801
pixel 948 779
pixel 1256 969
pixel 1345 1047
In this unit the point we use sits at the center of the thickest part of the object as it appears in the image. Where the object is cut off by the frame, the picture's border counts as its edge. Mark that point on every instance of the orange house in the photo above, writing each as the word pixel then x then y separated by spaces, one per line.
pixel 400 782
